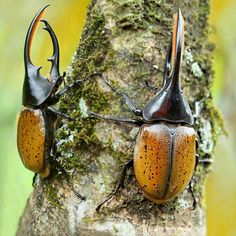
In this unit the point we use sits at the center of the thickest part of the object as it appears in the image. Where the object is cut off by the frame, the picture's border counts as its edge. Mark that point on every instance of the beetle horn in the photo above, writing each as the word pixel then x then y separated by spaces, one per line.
pixel 167 66
pixel 169 104
pixel 54 72
pixel 36 88
pixel 177 46
pixel 174 53
pixel 28 41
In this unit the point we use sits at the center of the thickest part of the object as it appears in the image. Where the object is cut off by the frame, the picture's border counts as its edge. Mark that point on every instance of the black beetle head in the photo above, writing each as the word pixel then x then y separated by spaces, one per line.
pixel 36 88
pixel 170 104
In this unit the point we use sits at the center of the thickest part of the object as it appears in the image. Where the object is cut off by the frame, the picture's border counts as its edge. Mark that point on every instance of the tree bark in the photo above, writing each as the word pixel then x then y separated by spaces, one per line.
pixel 127 42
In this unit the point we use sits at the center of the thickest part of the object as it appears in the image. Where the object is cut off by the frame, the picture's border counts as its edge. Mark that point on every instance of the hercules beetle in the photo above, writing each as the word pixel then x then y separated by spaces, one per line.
pixel 36 123
pixel 164 157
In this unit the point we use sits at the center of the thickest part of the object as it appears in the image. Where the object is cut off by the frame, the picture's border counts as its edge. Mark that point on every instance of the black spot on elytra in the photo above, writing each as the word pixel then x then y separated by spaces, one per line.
pixel 145 147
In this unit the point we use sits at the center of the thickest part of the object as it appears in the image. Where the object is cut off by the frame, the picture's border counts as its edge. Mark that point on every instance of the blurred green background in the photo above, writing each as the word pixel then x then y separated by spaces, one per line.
pixel 67 19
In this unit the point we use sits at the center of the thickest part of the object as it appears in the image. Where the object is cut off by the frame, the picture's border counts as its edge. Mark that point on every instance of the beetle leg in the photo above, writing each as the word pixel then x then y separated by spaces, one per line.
pixel 72 85
pixel 57 164
pixel 120 184
pixel 193 196
pixel 205 161
pixel 68 87
pixel 58 113
pixel 132 107
pixel 116 119
pixel 34 180
pixel 150 86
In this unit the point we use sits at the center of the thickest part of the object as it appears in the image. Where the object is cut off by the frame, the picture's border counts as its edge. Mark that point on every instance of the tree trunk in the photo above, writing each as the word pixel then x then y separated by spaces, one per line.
pixel 127 42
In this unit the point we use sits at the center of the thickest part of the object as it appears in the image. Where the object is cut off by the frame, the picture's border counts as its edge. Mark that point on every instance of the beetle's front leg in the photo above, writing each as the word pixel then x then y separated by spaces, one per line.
pixel 74 84
pixel 120 184
pixel 58 113
pixel 67 88
pixel 115 119
pixel 150 86
pixel 128 101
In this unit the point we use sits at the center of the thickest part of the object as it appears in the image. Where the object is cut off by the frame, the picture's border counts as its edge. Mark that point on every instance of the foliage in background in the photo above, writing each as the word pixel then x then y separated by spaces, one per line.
pixel 67 18
pixel 221 183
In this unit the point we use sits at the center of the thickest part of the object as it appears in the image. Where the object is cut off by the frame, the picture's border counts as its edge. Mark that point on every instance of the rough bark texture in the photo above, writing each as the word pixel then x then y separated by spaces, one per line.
pixel 127 41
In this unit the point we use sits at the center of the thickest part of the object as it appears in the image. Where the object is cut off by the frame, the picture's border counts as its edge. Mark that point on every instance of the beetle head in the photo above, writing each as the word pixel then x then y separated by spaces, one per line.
pixel 36 88
pixel 169 104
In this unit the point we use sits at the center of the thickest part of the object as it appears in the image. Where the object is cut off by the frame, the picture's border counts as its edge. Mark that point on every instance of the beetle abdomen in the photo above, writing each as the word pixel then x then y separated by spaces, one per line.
pixel 31 138
pixel 164 160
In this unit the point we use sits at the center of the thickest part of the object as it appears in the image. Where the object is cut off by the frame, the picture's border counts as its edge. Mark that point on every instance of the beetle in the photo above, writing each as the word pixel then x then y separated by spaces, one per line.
pixel 164 156
pixel 36 122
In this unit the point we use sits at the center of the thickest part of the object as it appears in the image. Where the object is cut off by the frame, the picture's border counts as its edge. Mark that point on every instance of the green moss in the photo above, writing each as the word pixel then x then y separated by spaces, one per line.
pixel 93 47
pixel 88 220
pixel 88 59
pixel 139 14
pixel 51 194
pixel 216 120
pixel 129 14
pixel 120 156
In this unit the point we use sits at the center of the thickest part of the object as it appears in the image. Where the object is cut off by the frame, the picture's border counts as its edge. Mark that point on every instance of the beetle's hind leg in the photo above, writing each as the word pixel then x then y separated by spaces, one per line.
pixel 120 184
pixel 34 180
pixel 193 196
pixel 57 164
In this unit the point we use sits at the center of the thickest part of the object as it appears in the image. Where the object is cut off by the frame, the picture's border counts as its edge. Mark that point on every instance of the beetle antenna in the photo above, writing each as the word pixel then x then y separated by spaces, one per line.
pixel 54 72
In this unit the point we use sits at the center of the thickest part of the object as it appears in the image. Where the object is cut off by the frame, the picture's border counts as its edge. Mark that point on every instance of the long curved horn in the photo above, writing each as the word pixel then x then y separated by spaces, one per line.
pixel 29 37
pixel 54 72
